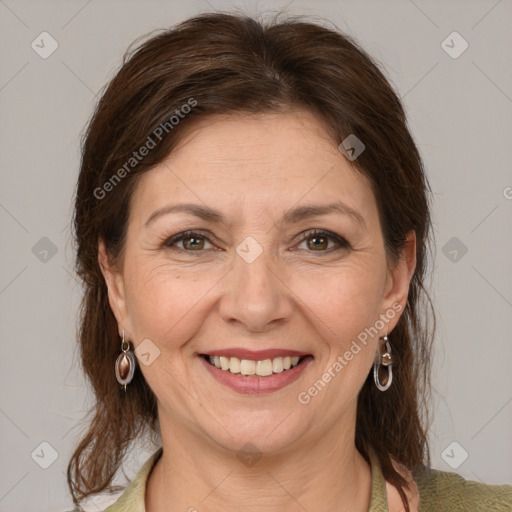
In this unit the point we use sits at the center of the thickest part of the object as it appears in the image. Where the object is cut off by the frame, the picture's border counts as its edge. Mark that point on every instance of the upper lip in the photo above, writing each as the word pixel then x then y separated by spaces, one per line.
pixel 259 355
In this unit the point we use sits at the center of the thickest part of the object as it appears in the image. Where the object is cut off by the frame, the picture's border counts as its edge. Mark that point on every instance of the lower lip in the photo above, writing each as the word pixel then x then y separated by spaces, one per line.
pixel 253 384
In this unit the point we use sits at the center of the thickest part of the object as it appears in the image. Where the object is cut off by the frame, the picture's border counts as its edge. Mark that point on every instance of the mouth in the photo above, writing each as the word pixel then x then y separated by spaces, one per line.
pixel 256 373
pixel 250 367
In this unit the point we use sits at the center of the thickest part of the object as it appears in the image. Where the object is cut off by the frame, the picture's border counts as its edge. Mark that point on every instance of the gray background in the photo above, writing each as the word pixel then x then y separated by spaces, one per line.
pixel 460 114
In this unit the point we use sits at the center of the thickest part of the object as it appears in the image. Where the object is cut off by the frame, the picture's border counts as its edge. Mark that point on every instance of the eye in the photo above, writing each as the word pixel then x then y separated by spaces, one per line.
pixel 318 241
pixel 192 241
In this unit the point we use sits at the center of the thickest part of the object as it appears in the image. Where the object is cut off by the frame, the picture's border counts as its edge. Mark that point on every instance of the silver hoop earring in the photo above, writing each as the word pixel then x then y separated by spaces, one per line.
pixel 383 359
pixel 125 364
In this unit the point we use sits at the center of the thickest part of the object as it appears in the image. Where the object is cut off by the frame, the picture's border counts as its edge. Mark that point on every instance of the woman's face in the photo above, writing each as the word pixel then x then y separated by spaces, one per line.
pixel 255 283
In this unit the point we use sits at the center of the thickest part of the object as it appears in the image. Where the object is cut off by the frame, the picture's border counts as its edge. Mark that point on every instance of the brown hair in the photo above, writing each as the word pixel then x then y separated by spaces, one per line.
pixel 233 64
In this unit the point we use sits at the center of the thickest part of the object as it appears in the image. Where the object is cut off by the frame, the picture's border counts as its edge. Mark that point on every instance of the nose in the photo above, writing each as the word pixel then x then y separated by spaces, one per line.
pixel 256 296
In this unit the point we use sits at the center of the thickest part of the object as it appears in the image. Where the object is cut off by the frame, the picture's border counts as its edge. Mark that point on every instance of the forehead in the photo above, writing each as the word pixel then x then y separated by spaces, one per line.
pixel 263 160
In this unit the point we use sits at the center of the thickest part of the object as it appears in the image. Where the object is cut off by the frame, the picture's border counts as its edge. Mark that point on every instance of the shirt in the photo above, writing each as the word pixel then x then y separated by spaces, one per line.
pixel 439 491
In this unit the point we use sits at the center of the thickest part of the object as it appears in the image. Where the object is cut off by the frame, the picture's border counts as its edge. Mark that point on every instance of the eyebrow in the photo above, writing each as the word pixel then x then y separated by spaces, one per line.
pixel 290 217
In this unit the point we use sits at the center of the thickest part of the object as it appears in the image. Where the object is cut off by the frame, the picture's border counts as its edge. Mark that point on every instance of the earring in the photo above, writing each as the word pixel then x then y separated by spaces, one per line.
pixel 125 364
pixel 386 360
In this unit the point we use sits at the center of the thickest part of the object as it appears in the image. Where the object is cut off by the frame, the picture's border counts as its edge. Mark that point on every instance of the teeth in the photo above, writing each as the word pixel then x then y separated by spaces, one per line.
pixel 277 365
pixel 262 368
pixel 247 367
pixel 234 365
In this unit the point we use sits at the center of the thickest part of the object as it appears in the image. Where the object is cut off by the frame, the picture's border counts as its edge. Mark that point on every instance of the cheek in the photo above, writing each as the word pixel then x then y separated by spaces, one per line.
pixel 345 301
pixel 345 308
pixel 164 302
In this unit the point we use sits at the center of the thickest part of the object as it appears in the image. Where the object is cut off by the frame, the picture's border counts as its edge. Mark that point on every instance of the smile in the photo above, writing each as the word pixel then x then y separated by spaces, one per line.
pixel 256 373
pixel 262 368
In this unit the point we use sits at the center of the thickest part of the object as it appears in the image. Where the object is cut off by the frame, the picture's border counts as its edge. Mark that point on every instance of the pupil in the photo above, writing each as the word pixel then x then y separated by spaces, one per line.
pixel 318 245
pixel 193 242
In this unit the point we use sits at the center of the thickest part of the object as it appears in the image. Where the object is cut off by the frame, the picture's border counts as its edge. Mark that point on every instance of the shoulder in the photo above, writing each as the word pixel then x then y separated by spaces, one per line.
pixel 441 490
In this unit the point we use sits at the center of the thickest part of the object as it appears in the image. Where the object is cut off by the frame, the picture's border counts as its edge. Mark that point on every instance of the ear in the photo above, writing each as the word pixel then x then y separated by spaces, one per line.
pixel 398 281
pixel 116 288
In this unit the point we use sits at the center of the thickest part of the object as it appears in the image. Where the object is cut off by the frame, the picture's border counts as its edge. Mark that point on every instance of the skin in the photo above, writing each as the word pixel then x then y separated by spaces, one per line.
pixel 191 298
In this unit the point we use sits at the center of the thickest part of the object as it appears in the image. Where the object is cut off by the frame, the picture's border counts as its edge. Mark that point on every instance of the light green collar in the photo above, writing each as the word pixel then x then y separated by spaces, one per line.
pixel 133 498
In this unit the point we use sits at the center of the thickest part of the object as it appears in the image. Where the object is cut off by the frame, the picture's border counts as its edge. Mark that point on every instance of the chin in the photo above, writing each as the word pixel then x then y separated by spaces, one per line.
pixel 263 432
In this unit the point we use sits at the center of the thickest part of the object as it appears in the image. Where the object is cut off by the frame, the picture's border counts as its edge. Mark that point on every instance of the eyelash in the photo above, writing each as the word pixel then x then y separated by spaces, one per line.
pixel 343 244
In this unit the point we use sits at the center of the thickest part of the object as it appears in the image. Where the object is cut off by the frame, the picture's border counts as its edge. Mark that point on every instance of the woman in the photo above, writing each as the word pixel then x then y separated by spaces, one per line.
pixel 252 224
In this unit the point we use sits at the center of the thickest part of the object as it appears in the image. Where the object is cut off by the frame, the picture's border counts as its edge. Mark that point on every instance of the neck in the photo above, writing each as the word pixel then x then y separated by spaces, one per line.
pixel 194 474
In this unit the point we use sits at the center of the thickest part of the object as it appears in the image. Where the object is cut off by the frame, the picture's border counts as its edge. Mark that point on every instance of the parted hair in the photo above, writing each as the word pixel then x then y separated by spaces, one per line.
pixel 236 64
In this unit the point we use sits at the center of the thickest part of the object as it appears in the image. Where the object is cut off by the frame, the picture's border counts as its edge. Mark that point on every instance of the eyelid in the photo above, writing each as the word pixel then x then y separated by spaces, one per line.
pixel 178 237
pixel 341 241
